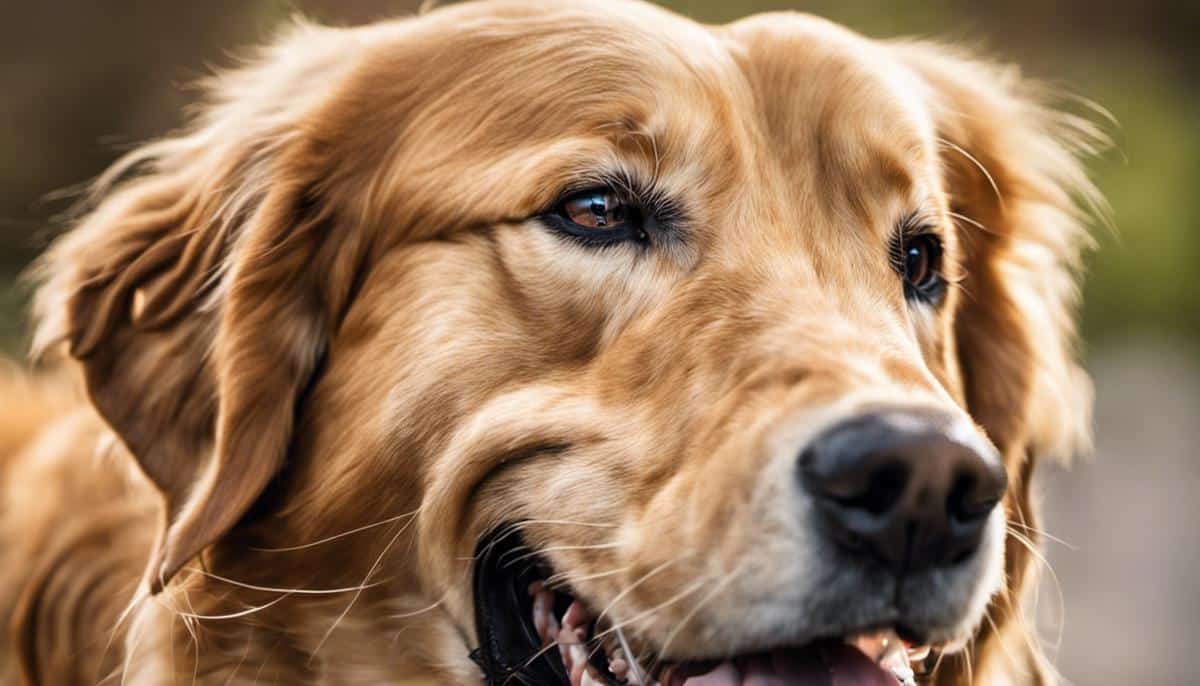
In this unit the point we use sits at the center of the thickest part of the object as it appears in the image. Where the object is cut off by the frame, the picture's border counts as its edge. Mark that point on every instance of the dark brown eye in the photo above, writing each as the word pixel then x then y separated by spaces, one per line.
pixel 922 256
pixel 600 210
pixel 599 216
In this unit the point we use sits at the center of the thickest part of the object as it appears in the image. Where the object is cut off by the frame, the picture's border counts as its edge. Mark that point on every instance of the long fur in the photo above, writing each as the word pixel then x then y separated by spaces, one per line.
pixel 324 350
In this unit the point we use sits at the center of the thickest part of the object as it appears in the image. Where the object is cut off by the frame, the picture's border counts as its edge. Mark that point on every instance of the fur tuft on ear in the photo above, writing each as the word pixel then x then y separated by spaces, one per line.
pixel 191 294
pixel 1023 201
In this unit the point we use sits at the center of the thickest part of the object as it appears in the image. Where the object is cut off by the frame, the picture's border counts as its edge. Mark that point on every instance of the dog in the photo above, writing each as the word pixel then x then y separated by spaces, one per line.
pixel 557 343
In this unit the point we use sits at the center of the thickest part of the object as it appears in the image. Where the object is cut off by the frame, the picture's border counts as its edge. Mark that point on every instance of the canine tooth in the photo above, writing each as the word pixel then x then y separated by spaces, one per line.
pixel 895 660
pixel 918 653
pixel 874 646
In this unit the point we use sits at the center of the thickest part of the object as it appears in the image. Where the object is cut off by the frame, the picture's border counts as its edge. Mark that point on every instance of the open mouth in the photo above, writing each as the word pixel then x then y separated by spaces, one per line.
pixel 535 631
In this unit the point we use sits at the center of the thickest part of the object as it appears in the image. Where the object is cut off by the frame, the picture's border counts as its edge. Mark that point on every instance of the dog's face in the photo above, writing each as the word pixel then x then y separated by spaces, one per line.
pixel 732 338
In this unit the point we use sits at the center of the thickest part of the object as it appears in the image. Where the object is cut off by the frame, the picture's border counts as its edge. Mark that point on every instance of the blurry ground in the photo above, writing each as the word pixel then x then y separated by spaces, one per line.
pixel 1131 578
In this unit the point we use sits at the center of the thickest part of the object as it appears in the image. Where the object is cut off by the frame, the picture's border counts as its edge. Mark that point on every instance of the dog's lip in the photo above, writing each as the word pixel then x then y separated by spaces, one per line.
pixel 514 646
pixel 870 658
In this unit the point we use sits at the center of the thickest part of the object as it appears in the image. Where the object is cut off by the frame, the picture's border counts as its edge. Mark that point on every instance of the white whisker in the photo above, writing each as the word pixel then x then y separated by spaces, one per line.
pixel 979 165
pixel 634 663
pixel 708 597
pixel 414 613
pixel 554 548
pixel 624 592
pixel 641 615
pixel 335 537
pixel 231 615
pixel 370 572
pixel 295 591
pixel 566 576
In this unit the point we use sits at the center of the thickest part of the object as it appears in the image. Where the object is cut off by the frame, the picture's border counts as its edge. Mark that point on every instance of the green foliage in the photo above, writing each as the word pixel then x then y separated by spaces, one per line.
pixel 1142 280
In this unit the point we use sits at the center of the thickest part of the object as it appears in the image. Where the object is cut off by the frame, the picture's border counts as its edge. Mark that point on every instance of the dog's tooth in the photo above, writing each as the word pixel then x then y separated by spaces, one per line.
pixel 896 661
pixel 576 615
pixel 564 652
pixel 567 636
pixel 579 663
pixel 552 626
pixel 875 646
pixel 541 616
pixel 918 653
pixel 619 668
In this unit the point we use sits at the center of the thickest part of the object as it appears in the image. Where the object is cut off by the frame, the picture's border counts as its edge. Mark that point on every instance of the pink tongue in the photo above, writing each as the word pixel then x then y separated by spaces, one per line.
pixel 827 664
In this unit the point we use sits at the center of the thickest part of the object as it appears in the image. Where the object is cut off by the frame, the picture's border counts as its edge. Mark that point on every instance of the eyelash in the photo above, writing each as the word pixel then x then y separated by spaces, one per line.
pixel 909 232
pixel 657 215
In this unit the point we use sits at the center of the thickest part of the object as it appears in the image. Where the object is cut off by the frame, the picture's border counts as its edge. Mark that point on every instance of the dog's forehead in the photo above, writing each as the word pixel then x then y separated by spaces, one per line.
pixel 836 106
pixel 787 104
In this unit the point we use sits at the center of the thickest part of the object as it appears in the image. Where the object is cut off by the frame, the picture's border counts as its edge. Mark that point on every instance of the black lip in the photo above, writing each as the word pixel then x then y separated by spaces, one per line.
pixel 510 651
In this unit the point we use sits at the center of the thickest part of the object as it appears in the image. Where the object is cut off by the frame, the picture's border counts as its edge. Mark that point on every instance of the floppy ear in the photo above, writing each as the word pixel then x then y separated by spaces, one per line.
pixel 1022 199
pixel 195 296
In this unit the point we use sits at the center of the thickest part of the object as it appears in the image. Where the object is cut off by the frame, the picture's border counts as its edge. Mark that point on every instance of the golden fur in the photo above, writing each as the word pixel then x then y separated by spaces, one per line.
pixel 324 306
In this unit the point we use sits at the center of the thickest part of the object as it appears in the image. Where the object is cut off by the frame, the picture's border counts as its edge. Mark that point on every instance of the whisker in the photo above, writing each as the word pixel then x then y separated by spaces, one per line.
pixel 634 663
pixel 973 222
pixel 242 661
pixel 624 592
pixel 641 615
pixel 414 613
pixel 708 597
pixel 1046 535
pixel 508 531
pixel 140 594
pixel 987 616
pixel 553 548
pixel 335 537
pixel 563 522
pixel 559 577
pixel 533 658
pixel 1057 583
pixel 979 165
pixel 357 594
pixel 968 660
pixel 296 591
pixel 231 615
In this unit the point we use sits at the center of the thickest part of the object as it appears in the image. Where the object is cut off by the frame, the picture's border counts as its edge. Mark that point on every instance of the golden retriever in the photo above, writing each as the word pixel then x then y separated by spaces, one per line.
pixel 567 343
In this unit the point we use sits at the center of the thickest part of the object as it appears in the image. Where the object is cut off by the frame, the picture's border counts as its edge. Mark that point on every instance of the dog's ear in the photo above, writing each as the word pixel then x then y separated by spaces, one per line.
pixel 1022 200
pixel 198 296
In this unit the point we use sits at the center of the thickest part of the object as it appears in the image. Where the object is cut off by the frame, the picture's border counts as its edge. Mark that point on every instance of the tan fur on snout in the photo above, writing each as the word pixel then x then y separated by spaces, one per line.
pixel 328 327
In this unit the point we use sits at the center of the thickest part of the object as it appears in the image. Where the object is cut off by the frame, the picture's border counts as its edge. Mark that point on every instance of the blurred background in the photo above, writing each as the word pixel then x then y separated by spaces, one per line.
pixel 81 81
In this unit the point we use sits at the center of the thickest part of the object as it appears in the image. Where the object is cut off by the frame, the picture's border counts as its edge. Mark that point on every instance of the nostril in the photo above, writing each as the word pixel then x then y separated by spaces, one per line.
pixel 975 489
pixel 884 487
pixel 973 494
pixel 962 500
pixel 902 488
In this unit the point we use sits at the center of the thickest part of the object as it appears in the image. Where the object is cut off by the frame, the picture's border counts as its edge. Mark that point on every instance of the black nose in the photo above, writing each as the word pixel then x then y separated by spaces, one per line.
pixel 899 486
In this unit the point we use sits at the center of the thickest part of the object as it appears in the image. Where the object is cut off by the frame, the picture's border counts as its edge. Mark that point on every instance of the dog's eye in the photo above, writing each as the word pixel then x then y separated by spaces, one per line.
pixel 920 264
pixel 920 260
pixel 598 216
pixel 600 210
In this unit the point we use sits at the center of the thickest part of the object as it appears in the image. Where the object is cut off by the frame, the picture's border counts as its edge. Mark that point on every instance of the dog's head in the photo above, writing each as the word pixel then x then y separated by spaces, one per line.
pixel 721 341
